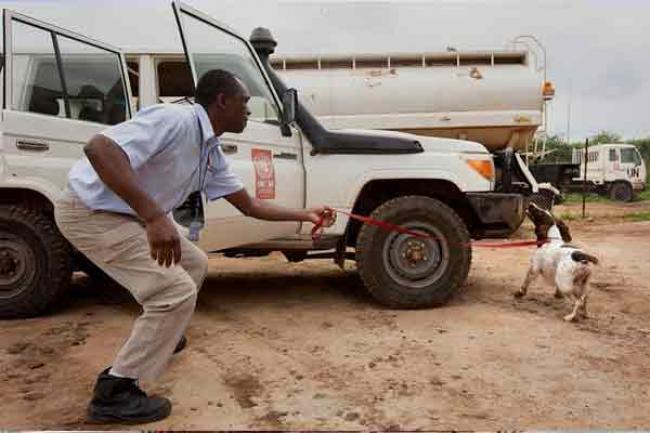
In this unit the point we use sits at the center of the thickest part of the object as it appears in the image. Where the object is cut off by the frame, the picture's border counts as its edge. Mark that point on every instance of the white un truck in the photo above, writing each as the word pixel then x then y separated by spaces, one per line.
pixel 615 170
pixel 60 88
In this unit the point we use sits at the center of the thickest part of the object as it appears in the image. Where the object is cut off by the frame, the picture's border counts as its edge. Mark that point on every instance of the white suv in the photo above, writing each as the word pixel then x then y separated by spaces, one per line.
pixel 60 88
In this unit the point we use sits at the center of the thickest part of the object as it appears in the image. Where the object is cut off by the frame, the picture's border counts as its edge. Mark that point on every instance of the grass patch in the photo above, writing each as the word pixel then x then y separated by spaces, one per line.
pixel 644 195
pixel 591 198
pixel 569 216
pixel 573 198
pixel 637 216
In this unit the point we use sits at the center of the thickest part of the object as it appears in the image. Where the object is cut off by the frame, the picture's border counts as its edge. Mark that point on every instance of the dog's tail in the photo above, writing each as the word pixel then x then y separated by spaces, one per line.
pixel 584 258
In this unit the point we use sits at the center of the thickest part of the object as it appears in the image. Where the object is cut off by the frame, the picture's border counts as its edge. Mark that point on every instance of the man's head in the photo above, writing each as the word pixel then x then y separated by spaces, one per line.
pixel 225 98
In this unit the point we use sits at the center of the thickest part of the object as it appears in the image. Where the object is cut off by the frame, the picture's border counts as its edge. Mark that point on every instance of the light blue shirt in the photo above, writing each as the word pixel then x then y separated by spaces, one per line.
pixel 173 152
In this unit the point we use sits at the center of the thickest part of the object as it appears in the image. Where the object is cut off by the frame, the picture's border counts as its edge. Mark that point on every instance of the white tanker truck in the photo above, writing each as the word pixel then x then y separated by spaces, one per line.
pixel 496 98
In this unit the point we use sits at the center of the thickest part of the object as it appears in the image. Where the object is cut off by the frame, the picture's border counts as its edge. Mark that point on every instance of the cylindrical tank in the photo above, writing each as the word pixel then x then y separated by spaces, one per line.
pixel 495 98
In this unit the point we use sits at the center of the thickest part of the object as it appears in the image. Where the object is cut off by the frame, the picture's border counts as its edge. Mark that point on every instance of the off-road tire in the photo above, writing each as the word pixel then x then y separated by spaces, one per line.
pixel 35 262
pixel 621 191
pixel 374 250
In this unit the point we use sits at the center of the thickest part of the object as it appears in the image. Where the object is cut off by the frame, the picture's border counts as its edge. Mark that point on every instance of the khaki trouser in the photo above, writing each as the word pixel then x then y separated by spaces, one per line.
pixel 118 245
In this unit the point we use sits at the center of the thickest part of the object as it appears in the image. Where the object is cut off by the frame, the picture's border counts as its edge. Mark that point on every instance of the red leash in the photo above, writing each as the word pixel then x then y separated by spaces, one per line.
pixel 318 229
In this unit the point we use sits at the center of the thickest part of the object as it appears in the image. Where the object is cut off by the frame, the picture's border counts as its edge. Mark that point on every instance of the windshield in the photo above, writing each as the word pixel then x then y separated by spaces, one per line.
pixel 630 155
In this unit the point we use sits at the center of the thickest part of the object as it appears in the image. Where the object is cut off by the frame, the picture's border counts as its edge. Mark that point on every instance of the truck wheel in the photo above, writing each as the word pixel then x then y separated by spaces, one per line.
pixel 402 271
pixel 621 191
pixel 35 262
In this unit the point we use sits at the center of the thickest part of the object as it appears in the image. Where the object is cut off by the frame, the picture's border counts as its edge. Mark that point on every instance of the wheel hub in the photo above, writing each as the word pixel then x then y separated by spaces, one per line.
pixel 8 264
pixel 13 259
pixel 414 252
pixel 416 262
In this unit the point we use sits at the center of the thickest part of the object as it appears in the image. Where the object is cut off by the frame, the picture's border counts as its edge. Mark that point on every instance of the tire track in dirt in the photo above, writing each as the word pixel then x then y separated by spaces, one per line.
pixel 306 372
pixel 33 365
pixel 302 372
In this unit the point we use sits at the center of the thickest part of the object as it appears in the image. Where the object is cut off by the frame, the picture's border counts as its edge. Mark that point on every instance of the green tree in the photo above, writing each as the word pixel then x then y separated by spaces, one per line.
pixel 557 150
pixel 604 137
pixel 643 144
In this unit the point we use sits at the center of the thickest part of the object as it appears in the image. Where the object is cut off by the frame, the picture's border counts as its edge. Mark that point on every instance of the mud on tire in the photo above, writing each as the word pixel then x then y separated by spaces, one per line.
pixel 402 271
pixel 35 262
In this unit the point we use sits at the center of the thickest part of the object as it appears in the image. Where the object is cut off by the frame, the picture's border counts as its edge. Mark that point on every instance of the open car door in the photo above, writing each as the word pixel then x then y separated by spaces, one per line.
pixel 59 89
pixel 268 162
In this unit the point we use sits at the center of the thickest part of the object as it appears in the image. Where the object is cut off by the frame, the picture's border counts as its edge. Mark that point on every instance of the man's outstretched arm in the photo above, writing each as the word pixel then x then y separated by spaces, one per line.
pixel 264 210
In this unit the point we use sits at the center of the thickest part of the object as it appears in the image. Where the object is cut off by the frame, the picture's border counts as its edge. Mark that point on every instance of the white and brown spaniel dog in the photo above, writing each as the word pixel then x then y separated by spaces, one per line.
pixel 561 264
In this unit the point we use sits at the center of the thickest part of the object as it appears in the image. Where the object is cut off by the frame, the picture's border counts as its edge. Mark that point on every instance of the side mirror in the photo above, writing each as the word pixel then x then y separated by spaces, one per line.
pixel 289 107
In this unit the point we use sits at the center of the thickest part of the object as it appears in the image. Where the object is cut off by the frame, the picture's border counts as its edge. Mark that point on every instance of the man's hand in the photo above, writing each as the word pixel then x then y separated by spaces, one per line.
pixel 323 215
pixel 164 241
pixel 261 209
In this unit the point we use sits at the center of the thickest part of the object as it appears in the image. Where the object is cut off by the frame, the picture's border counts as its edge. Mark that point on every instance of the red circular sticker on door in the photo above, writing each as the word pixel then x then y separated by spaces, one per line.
pixel 264 174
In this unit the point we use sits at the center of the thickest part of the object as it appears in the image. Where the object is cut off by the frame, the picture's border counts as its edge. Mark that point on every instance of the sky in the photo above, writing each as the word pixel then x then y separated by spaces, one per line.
pixel 598 51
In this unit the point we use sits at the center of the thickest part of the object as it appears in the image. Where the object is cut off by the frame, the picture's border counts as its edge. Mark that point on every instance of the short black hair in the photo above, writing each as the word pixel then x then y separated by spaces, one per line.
pixel 214 82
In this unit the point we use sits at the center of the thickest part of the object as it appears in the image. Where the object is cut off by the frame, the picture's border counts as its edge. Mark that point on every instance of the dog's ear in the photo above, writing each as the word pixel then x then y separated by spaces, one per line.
pixel 564 230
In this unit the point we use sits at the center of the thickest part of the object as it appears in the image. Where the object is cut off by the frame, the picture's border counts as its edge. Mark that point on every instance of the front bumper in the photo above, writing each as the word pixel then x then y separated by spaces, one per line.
pixel 498 214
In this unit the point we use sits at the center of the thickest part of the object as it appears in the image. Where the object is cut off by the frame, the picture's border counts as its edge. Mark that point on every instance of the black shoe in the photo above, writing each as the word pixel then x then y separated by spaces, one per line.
pixel 118 399
pixel 181 345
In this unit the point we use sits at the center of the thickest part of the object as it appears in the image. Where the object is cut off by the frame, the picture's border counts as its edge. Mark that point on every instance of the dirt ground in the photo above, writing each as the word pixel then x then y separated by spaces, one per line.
pixel 296 346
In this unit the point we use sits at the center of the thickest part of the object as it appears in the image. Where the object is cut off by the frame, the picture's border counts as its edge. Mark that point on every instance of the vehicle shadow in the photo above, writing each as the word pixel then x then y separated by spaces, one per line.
pixel 233 288
pixel 284 289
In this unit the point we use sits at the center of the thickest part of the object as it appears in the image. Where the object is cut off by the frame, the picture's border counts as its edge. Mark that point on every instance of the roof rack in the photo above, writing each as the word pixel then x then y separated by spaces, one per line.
pixel 401 60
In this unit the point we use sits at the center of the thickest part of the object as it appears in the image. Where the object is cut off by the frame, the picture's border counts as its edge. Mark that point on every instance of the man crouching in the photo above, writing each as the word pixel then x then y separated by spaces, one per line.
pixel 116 210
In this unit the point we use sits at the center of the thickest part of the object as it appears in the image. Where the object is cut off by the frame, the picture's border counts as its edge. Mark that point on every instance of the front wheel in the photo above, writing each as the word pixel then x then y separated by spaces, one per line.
pixel 621 191
pixel 403 271
pixel 35 262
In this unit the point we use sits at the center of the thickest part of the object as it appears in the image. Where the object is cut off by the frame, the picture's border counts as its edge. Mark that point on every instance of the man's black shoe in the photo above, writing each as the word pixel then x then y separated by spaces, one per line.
pixel 181 344
pixel 118 399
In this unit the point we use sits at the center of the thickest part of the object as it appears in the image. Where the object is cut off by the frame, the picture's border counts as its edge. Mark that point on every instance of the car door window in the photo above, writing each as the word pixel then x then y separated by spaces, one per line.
pixel 613 155
pixel 94 83
pixel 174 81
pixel 212 48
pixel 82 82
pixel 36 81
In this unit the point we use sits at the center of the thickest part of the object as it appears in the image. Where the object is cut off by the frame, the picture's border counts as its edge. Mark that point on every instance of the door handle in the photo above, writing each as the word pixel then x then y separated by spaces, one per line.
pixel 229 148
pixel 285 155
pixel 33 146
